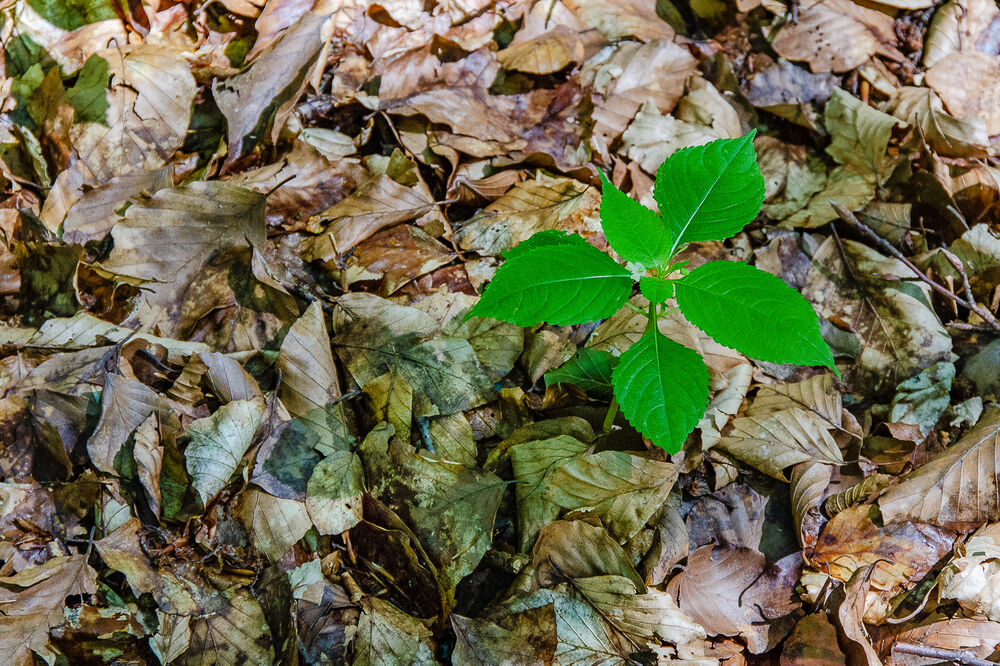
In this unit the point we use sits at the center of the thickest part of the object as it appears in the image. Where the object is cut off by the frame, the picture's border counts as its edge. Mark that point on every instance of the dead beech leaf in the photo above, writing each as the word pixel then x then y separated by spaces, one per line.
pixel 34 602
pixel 860 135
pixel 946 134
pixel 264 95
pixel 235 634
pixel 902 553
pixel 387 635
pixel 848 602
pixel 628 18
pixel 396 256
pixel 628 75
pixel 542 203
pixel 333 495
pixel 723 590
pixel 958 26
pixel 732 516
pixel 652 137
pixel 310 387
pixel 524 638
pixel 218 443
pixel 93 215
pixel 779 440
pixel 274 523
pixel 550 38
pixel 577 549
pixel 125 404
pixel 968 82
pixel 958 488
pixel 971 577
pixel 813 642
pixel 789 91
pixel 834 35
pixel 378 203
pixel 968 635
pixel 169 238
pixel 149 106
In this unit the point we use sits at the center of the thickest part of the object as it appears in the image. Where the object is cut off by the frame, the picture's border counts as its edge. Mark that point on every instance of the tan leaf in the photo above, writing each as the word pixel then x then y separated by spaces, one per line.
pixel 809 482
pixel 628 18
pixel 125 404
pixel 93 214
pixel 274 523
pixel 228 379
pixel 958 26
pixel 309 383
pixel 265 94
pixel 149 98
pixel 652 137
pixel 978 637
pixel 628 75
pixel 454 439
pixel 34 602
pixel 902 554
pixel 968 83
pixel 218 443
pixel 377 203
pixel 173 637
pixel 782 439
pixel 724 590
pixel 577 549
pixel 542 203
pixel 525 638
pixel 387 636
pixel 834 35
pixel 149 460
pixel 392 401
pixel 957 488
pixel 396 256
pixel 170 237
pixel 235 635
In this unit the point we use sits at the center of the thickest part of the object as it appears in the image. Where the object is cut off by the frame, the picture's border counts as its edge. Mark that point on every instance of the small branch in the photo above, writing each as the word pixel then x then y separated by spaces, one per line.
pixel 954 656
pixel 967 302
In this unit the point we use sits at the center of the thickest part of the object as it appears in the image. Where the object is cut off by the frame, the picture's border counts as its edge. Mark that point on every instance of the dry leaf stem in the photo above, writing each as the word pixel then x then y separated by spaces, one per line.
pixel 954 656
pixel 968 301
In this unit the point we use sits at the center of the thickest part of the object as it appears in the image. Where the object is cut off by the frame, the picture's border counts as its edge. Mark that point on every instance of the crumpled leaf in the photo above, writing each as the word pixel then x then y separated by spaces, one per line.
pixel 946 134
pixel 860 135
pixel 579 550
pixel 970 577
pixel 528 637
pixel 218 443
pixel 921 400
pixel 957 25
pixel 968 82
pixel 34 600
pixel 956 489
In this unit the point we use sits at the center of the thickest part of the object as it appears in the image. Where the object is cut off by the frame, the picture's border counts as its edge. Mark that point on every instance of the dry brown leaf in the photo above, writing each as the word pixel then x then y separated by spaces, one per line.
pixel 779 440
pixel 622 18
pixel 652 137
pixel 579 550
pixel 396 256
pixel 125 404
pixel 958 488
pixel 848 603
pixel 542 203
pixel 968 83
pixel 628 75
pixel 550 38
pixel 264 96
pixel 971 636
pixel 724 590
pixel 946 134
pixel 901 553
pixel 94 213
pixel 274 523
pixel 834 35
pixel 733 516
pixel 971 577
pixel 958 26
pixel 809 482
pixel 149 97
pixel 378 203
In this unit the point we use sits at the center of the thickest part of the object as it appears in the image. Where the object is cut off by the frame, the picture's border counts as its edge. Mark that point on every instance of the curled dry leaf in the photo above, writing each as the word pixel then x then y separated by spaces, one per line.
pixel 901 554
pixel 946 134
pixel 971 578
pixel 579 550
pixel 957 488
pixel 958 26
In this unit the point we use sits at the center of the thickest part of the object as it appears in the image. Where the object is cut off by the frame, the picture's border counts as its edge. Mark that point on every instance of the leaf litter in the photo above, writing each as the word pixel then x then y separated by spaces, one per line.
pixel 243 419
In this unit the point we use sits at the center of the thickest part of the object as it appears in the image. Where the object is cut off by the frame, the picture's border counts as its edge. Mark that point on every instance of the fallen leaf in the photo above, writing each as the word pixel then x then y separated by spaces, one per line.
pixel 333 496
pixel 967 83
pixel 834 35
pixel 274 523
pixel 387 636
pixel 218 443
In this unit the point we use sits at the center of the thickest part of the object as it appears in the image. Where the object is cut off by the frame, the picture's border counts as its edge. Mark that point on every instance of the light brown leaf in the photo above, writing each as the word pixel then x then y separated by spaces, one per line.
pixel 274 523
pixel 958 488
pixel 779 440
pixel 958 26
pixel 834 35
pixel 577 549
pixel 627 18
pixel 968 82
pixel 971 577
pixel 125 404
pixel 333 495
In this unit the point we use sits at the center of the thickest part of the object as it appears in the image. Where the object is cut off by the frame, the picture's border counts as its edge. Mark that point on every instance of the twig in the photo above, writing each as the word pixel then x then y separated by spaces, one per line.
pixel 954 656
pixel 968 302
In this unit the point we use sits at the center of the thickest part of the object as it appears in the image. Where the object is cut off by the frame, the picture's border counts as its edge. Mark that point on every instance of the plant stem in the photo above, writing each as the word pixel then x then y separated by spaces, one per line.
pixel 609 419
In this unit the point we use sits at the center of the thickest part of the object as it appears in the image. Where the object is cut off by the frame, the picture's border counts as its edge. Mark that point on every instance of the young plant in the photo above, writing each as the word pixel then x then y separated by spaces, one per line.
pixel 704 193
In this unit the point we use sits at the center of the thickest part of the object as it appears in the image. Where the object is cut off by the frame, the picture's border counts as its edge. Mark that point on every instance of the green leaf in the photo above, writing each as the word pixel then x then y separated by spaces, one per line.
pixel 656 290
pixel 709 192
pixel 634 231
pixel 590 369
pixel 543 238
pixel 662 388
pixel 558 284
pixel 753 312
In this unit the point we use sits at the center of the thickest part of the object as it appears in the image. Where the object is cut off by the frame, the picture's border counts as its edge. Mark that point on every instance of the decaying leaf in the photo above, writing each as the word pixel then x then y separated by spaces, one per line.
pixel 834 35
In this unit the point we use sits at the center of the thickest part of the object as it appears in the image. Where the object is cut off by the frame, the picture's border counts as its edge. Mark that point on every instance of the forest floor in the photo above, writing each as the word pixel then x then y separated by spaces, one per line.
pixel 244 421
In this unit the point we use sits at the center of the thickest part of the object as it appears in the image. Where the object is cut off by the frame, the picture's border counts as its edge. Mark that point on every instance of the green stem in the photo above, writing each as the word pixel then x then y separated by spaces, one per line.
pixel 609 419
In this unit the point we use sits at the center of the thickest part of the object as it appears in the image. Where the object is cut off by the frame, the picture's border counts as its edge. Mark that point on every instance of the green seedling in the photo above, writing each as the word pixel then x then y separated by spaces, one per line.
pixel 704 193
